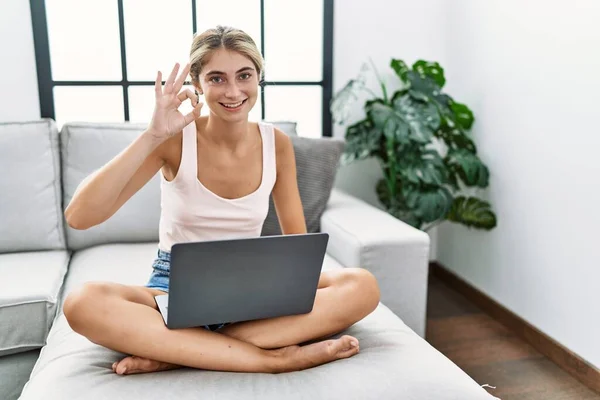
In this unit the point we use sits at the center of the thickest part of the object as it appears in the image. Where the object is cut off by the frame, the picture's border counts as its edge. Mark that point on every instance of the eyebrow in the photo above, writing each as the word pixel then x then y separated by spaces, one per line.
pixel 223 73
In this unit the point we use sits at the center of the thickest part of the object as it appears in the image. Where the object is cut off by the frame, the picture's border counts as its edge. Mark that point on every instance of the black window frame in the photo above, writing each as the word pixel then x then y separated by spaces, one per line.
pixel 46 84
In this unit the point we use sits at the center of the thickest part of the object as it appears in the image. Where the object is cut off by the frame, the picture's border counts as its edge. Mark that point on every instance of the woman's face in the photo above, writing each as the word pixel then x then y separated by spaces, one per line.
pixel 229 82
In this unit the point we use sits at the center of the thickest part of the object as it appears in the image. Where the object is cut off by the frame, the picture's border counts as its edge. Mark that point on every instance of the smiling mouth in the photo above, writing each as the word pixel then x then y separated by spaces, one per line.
pixel 233 106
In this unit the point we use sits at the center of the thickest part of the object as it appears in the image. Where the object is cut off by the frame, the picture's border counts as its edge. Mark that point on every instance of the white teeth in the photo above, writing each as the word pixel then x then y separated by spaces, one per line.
pixel 233 105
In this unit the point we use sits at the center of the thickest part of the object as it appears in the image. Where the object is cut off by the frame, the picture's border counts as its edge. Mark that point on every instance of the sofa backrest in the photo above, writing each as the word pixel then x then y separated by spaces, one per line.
pixel 30 198
pixel 86 147
pixel 43 168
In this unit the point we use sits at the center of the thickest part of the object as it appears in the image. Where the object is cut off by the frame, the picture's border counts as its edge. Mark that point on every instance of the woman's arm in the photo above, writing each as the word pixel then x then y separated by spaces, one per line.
pixel 103 192
pixel 286 196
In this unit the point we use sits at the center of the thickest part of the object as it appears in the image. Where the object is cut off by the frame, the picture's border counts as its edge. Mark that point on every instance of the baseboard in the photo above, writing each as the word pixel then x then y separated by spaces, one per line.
pixel 557 353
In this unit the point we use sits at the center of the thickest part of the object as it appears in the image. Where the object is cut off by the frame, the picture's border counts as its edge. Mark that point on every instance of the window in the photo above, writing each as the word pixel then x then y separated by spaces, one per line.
pixel 96 61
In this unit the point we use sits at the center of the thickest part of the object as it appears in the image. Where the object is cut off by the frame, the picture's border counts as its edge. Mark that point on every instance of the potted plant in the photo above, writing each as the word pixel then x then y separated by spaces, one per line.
pixel 420 136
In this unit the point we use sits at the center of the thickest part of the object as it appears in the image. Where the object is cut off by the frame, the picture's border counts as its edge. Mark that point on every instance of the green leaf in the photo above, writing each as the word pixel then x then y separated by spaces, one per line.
pixel 432 70
pixel 423 84
pixel 462 115
pixel 468 167
pixel 423 167
pixel 362 141
pixel 472 212
pixel 396 207
pixel 453 182
pixel 430 204
pixel 400 68
pixel 445 101
pixel 454 137
pixel 422 117
pixel 387 120
pixel 418 95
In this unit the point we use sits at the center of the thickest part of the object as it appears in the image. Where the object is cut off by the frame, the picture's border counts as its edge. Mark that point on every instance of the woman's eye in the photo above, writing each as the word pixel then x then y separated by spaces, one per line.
pixel 245 76
pixel 214 79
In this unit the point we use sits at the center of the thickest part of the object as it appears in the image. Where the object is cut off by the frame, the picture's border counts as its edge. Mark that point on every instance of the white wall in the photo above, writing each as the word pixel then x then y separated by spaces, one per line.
pixel 19 100
pixel 530 72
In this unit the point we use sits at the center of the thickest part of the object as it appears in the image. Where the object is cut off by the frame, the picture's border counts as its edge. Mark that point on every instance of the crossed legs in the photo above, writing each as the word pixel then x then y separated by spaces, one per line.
pixel 125 319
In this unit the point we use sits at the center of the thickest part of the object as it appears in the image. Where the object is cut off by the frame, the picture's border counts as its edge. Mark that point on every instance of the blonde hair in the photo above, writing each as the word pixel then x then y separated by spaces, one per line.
pixel 222 37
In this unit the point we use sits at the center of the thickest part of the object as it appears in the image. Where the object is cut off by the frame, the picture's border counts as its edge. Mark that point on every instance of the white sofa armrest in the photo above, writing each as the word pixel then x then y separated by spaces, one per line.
pixel 361 235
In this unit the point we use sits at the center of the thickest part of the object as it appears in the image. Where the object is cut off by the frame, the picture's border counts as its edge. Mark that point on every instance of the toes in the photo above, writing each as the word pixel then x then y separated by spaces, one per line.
pixel 133 365
pixel 123 366
pixel 348 346
pixel 349 342
pixel 121 370
pixel 349 353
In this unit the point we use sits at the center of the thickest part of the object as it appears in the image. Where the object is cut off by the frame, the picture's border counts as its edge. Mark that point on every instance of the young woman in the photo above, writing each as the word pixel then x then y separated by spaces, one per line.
pixel 217 173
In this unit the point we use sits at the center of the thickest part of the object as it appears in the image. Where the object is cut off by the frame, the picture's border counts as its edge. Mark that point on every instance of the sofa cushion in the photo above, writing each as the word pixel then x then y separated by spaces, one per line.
pixel 29 290
pixel 394 362
pixel 287 127
pixel 30 204
pixel 316 166
pixel 14 373
pixel 85 148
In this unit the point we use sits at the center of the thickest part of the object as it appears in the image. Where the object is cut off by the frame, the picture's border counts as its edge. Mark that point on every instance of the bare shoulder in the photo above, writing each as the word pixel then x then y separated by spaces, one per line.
pixel 283 147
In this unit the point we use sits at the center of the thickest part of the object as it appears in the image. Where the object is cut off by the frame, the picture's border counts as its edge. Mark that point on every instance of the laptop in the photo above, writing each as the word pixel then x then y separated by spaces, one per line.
pixel 214 282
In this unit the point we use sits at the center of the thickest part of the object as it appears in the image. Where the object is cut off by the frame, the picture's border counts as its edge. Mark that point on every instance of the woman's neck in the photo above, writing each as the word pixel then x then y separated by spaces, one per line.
pixel 225 133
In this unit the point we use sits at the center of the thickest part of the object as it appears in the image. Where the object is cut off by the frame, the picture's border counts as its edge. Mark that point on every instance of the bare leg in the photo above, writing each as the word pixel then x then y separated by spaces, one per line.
pixel 343 298
pixel 124 318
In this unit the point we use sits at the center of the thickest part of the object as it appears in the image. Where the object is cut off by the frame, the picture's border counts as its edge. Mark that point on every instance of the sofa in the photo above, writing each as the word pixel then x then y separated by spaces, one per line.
pixel 42 259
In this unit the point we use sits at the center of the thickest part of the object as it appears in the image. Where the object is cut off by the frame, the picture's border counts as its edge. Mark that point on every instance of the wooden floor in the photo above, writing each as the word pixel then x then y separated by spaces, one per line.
pixel 491 354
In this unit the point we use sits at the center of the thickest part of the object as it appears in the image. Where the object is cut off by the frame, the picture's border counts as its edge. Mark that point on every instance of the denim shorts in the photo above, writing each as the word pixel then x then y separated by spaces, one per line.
pixel 159 279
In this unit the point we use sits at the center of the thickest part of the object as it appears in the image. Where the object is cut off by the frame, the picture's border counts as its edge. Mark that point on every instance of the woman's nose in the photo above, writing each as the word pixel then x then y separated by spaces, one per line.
pixel 232 90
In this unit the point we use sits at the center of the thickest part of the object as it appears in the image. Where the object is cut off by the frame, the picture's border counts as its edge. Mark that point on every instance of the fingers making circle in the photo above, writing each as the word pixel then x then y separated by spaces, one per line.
pixel 171 85
pixel 188 94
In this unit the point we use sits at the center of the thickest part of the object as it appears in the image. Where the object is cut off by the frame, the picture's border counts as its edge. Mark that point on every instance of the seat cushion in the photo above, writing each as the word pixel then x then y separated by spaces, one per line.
pixel 394 362
pixel 14 373
pixel 30 204
pixel 29 291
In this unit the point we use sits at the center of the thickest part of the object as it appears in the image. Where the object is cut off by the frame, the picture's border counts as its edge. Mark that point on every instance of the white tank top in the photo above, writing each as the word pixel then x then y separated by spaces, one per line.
pixel 190 212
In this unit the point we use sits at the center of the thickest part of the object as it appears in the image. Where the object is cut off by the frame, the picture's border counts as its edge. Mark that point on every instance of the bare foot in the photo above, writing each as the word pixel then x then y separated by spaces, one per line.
pixel 296 358
pixel 291 358
pixel 139 365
